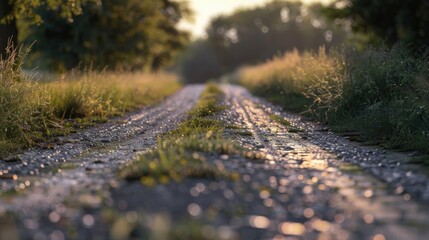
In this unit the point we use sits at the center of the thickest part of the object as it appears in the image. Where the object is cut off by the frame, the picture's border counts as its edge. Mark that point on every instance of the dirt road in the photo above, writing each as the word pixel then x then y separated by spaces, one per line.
pixel 312 184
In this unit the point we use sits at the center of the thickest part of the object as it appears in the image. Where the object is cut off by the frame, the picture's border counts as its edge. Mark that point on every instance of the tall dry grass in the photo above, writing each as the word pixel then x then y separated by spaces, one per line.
pixel 31 111
pixel 24 115
pixel 382 93
pixel 100 95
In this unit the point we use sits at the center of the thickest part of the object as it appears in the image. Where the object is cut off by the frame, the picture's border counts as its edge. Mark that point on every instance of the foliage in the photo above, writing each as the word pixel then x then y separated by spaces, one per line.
pixel 250 36
pixel 199 63
pixel 24 115
pixel 117 34
pixel 387 21
pixel 254 35
pixel 11 10
pixel 380 93
pixel 27 9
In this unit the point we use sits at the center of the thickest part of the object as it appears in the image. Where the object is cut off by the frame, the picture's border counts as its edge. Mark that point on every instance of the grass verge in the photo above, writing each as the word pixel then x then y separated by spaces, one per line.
pixel 32 111
pixel 381 94
pixel 182 153
pixel 100 95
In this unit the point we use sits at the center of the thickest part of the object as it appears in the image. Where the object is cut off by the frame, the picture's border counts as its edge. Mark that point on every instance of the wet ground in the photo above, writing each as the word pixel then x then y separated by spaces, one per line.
pixel 312 184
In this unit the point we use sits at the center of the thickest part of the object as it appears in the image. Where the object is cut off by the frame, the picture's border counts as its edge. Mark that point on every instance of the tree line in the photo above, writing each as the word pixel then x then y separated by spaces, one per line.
pixel 143 34
pixel 117 34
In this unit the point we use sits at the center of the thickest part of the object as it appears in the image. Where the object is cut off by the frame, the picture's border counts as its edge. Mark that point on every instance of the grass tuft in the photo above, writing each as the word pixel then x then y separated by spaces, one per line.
pixel 25 113
pixel 280 120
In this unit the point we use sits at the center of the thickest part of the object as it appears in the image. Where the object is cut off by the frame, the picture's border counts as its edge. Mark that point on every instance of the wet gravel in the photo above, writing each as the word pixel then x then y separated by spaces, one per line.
pixel 90 157
pixel 311 184
pixel 391 167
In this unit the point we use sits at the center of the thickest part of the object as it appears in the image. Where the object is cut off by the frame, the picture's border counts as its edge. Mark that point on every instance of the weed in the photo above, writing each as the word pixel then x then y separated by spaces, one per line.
pixel 24 115
pixel 208 103
pixel 295 130
pixel 64 167
pixel 279 119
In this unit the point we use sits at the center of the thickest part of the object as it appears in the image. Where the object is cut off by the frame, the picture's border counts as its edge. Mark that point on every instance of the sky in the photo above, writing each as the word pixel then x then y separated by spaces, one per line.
pixel 204 10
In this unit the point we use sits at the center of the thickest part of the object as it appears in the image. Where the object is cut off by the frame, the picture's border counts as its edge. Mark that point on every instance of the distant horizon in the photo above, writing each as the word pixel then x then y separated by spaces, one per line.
pixel 204 10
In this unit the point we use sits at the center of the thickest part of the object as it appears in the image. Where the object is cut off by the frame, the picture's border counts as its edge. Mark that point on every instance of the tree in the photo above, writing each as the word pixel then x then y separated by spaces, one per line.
pixel 199 63
pixel 119 34
pixel 11 10
pixel 250 36
pixel 8 30
pixel 385 21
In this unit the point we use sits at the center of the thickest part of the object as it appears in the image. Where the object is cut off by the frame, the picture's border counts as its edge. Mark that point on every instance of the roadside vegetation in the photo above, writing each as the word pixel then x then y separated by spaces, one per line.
pixel 182 153
pixel 380 94
pixel 30 111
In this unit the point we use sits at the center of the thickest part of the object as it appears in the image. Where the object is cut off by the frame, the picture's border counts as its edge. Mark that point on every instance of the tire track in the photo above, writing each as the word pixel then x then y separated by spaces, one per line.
pixel 94 154
pixel 365 205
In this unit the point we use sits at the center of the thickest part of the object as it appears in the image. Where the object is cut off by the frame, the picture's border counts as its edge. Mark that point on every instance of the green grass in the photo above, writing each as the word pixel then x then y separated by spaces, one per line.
pixel 380 93
pixel 244 133
pixel 280 120
pixel 181 153
pixel 295 130
pixel 208 104
pixel 424 160
pixel 32 111
pixel 64 167
pixel 233 126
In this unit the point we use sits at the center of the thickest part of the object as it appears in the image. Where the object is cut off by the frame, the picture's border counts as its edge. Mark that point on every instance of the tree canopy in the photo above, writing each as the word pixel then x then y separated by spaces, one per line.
pixel 119 34
pixel 11 10
pixel 250 36
pixel 28 8
pixel 386 21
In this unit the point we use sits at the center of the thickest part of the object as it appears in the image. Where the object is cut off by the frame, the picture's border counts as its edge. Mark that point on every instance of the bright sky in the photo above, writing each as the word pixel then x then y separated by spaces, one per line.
pixel 206 9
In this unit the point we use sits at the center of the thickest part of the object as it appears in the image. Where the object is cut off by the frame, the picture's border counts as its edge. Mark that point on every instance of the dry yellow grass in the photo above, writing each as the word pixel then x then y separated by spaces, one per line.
pixel 381 93
pixel 289 79
pixel 106 94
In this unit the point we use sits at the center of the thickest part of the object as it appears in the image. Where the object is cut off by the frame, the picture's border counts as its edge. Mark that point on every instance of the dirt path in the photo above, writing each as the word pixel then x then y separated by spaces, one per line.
pixel 307 188
pixel 89 157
